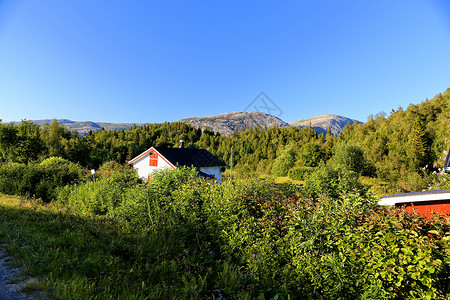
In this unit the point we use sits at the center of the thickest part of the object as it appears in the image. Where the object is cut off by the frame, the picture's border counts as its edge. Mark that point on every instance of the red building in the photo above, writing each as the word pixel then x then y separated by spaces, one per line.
pixel 426 203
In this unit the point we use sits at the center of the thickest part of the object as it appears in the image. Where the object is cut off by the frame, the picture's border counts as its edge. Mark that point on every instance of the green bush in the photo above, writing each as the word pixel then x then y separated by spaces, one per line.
pixel 118 192
pixel 333 181
pixel 300 173
pixel 56 172
pixel 149 206
pixel 105 195
pixel 92 198
pixel 349 156
pixel 122 175
pixel 283 162
pixel 11 178
pixel 39 180
pixel 438 180
pixel 258 238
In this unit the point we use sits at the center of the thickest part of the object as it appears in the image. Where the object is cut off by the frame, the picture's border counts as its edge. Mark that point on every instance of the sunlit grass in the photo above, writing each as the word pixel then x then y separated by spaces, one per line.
pixel 283 179
pixel 377 186
pixel 288 180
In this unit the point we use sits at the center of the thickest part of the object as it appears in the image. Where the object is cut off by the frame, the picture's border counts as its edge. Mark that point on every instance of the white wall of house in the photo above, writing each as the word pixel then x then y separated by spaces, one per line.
pixel 144 169
pixel 142 165
pixel 213 171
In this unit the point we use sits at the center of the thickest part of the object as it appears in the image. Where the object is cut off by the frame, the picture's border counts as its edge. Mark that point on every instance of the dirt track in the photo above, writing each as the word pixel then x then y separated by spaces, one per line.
pixel 9 291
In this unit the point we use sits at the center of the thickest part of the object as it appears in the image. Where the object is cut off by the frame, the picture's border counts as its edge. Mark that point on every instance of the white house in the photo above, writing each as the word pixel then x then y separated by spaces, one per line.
pixel 158 157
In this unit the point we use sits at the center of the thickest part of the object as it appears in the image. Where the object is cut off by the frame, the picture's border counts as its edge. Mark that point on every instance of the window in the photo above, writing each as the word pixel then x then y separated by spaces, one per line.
pixel 153 159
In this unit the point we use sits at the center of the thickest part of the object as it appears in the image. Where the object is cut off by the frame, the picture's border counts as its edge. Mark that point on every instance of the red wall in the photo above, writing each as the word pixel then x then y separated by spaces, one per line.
pixel 427 208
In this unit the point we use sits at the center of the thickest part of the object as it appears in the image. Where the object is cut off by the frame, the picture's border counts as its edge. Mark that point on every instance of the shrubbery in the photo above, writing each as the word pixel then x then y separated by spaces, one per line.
pixel 333 181
pixel 300 173
pixel 256 238
pixel 122 175
pixel 39 180
pixel 253 238
pixel 103 196
pixel 284 162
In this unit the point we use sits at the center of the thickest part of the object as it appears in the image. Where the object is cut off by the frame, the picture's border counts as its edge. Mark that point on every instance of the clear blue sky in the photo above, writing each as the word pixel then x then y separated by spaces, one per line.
pixel 156 61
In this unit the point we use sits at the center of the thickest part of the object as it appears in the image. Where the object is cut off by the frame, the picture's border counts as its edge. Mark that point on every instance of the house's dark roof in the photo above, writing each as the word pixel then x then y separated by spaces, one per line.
pixel 190 157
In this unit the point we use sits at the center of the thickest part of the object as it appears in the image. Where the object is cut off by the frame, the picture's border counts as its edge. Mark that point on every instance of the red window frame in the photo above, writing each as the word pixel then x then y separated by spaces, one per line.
pixel 153 159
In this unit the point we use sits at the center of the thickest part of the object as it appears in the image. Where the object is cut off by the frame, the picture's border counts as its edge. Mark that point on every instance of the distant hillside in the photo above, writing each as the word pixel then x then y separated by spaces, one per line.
pixel 224 123
pixel 322 122
pixel 83 127
pixel 228 122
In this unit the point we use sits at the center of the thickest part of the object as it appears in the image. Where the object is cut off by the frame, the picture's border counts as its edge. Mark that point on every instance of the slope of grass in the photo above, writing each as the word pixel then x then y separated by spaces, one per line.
pixel 78 257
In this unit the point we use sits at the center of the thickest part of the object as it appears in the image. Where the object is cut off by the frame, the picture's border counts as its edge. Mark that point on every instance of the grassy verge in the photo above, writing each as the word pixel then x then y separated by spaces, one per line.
pixel 77 257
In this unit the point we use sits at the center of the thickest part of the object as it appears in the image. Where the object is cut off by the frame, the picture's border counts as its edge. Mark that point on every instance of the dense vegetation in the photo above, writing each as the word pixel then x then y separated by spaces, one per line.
pixel 398 152
pixel 181 237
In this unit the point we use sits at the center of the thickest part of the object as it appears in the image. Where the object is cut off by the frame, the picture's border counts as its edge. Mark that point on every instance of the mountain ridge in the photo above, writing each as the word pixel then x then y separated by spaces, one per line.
pixel 224 123
pixel 321 123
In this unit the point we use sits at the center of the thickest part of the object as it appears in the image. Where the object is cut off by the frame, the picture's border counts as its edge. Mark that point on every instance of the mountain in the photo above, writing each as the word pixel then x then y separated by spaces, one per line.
pixel 228 122
pixel 322 122
pixel 83 127
pixel 224 123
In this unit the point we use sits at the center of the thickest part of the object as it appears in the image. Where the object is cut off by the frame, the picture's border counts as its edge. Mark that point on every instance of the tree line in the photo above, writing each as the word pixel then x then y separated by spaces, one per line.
pixel 397 151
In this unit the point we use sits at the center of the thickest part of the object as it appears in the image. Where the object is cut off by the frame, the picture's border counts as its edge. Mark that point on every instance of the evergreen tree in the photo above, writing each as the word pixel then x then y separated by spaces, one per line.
pixel 417 148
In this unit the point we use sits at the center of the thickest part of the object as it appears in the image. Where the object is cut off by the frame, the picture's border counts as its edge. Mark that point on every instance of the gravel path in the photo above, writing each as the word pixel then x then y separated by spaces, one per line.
pixel 10 291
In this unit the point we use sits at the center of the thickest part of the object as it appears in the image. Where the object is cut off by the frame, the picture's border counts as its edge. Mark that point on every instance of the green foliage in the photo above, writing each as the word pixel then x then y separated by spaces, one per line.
pixel 39 180
pixel 20 143
pixel 332 181
pixel 55 137
pixel 12 179
pixel 166 180
pixel 417 149
pixel 8 137
pixel 349 156
pixel 56 172
pixel 406 259
pixel 438 180
pixel 123 176
pixel 105 195
pixel 312 155
pixel 300 173
pixel 151 206
pixel 182 237
pixel 118 192
pixel 388 249
pixel 284 162
pixel 89 198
